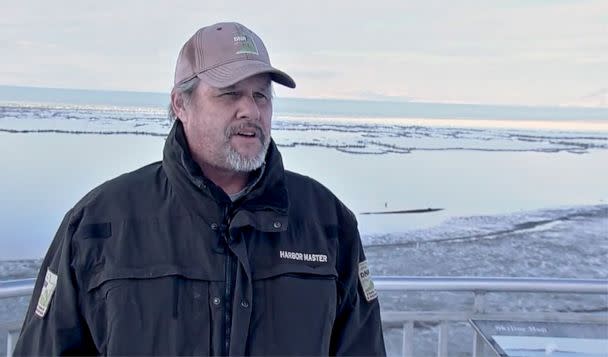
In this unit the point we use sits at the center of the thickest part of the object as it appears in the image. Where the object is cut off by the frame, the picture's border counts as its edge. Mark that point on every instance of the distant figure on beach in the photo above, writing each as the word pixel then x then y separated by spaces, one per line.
pixel 216 249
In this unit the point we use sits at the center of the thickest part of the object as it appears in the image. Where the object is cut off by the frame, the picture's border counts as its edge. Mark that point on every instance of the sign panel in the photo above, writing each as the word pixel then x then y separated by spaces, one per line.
pixel 557 339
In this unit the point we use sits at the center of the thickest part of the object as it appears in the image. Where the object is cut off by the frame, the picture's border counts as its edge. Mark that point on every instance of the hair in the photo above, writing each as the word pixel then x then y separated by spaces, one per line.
pixel 184 90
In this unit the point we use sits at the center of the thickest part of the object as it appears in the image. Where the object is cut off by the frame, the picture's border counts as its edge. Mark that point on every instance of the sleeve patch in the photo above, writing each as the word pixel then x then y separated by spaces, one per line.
pixel 365 279
pixel 48 289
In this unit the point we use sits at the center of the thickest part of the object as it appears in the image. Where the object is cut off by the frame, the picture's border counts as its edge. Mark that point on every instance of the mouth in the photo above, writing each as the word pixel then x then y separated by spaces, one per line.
pixel 247 131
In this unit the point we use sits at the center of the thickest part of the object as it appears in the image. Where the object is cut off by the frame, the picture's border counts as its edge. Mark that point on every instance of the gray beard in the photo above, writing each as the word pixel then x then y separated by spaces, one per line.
pixel 240 163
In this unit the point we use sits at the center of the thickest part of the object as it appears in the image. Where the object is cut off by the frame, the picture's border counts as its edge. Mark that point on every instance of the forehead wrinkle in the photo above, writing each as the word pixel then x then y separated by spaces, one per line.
pixel 262 88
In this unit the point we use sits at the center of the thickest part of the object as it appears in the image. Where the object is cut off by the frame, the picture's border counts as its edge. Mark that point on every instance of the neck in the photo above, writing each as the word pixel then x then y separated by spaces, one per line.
pixel 229 181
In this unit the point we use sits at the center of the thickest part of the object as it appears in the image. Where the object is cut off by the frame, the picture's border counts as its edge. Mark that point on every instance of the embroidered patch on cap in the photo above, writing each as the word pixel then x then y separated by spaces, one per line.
pixel 367 284
pixel 48 289
pixel 244 42
pixel 246 45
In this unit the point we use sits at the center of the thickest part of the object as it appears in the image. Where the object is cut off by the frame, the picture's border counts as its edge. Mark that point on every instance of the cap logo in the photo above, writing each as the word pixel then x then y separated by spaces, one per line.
pixel 245 44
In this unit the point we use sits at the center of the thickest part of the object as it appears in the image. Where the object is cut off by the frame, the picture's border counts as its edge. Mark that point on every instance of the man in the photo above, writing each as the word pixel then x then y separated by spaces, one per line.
pixel 216 250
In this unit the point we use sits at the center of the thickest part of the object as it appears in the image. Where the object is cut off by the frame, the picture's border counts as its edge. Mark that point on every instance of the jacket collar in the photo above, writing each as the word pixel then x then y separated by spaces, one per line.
pixel 268 194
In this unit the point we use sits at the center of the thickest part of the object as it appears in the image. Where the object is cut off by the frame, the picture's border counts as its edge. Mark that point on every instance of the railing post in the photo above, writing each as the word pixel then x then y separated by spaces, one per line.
pixel 478 344
pixel 407 348
pixel 9 344
pixel 479 305
pixel 442 348
pixel 479 308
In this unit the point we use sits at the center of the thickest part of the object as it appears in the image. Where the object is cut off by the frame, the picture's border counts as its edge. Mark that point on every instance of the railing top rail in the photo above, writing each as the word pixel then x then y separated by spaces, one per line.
pixel 489 284
pixel 15 288
pixel 24 287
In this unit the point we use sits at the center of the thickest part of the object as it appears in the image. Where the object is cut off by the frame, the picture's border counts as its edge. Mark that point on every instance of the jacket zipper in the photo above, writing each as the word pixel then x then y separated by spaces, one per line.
pixel 228 289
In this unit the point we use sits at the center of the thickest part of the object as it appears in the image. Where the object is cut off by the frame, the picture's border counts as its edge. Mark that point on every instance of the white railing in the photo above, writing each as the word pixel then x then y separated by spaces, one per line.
pixel 406 319
pixel 16 288
pixel 9 289
pixel 480 287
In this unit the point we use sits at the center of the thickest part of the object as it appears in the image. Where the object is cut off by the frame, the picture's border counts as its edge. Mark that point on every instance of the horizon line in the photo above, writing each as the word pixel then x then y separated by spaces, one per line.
pixel 388 99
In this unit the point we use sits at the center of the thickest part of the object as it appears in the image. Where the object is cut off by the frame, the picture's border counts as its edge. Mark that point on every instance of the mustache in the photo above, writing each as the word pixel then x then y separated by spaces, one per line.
pixel 234 129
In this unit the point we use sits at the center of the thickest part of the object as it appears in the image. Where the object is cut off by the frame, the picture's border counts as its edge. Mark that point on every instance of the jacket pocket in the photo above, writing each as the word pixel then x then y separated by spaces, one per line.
pixel 294 311
pixel 135 313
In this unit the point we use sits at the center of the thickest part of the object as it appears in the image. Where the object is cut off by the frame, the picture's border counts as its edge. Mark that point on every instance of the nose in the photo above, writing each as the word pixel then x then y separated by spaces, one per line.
pixel 248 108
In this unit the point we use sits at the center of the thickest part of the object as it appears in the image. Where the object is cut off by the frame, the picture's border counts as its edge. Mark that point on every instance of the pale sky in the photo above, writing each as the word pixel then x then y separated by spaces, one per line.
pixel 536 52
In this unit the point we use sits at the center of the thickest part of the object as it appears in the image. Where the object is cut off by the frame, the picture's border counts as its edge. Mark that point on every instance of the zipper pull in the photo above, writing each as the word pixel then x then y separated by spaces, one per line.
pixel 225 226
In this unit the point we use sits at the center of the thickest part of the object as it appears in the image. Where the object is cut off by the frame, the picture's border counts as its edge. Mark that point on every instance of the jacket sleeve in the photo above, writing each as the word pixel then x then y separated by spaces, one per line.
pixel 357 329
pixel 53 324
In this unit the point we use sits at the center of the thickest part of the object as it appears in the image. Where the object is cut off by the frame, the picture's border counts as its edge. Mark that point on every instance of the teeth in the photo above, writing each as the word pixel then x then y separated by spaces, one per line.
pixel 246 133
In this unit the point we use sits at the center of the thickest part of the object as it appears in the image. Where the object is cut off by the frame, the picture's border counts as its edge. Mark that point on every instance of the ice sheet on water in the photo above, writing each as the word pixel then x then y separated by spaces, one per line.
pixel 357 136
pixel 83 120
pixel 353 135
pixel 487 227
pixel 561 250
pixel 19 269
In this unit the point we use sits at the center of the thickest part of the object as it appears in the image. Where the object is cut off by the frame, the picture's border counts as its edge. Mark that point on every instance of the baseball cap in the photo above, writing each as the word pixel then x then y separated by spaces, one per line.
pixel 224 54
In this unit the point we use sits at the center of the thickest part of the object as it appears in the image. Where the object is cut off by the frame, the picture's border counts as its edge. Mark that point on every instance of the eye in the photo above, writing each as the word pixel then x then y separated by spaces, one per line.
pixel 260 95
pixel 230 94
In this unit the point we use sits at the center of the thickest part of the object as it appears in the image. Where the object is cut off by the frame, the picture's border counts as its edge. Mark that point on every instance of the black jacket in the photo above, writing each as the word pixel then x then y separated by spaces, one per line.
pixel 160 262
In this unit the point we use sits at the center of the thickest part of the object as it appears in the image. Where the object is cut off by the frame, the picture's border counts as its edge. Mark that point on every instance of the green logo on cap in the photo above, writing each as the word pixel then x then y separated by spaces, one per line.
pixel 245 44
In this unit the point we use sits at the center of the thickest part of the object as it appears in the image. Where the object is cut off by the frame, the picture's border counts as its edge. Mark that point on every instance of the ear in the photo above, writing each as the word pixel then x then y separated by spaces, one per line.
pixel 178 105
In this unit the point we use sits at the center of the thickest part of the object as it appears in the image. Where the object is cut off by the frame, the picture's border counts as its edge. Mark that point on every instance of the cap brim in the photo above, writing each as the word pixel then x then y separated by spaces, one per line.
pixel 230 73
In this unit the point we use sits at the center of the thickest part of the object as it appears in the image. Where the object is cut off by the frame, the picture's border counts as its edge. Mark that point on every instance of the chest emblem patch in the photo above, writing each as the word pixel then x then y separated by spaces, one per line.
pixel 305 257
